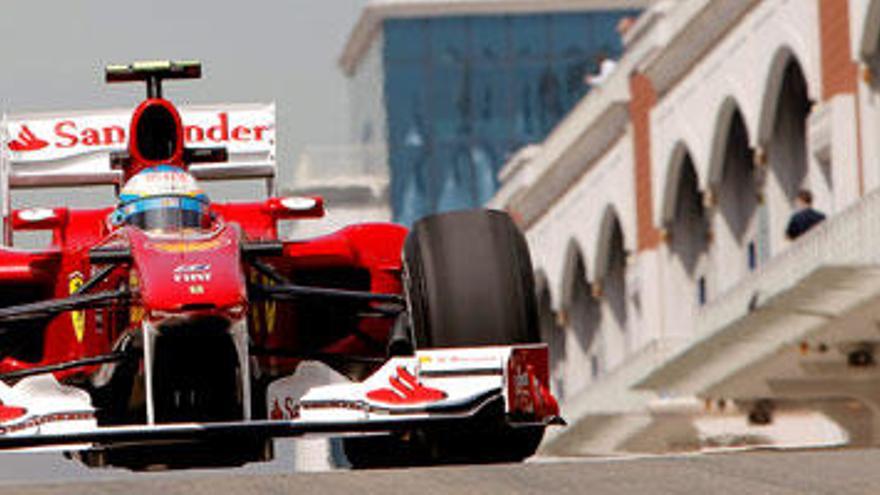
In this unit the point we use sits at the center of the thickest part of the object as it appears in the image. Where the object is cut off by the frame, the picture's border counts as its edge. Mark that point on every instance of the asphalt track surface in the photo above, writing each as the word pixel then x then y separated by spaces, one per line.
pixel 758 472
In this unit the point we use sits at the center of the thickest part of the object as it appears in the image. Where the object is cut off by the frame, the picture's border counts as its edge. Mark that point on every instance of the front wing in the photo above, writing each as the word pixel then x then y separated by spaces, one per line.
pixel 432 388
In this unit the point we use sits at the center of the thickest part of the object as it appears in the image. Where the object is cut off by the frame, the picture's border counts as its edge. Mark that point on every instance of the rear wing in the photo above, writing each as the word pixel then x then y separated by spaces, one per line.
pixel 74 148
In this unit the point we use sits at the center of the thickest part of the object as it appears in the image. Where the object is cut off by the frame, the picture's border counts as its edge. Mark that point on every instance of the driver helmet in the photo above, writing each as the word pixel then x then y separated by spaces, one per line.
pixel 163 198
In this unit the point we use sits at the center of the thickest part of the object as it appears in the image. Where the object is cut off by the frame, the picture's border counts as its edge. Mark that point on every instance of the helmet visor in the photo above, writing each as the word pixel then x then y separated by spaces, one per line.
pixel 167 214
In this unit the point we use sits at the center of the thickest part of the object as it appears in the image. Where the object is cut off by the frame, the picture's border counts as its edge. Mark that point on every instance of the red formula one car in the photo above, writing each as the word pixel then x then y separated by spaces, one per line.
pixel 166 330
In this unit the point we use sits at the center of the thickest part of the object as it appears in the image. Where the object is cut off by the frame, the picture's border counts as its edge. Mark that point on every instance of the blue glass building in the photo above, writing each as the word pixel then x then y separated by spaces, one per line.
pixel 450 98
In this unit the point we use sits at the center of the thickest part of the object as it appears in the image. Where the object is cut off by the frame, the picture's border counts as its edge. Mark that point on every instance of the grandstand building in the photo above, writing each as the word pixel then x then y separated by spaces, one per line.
pixel 679 314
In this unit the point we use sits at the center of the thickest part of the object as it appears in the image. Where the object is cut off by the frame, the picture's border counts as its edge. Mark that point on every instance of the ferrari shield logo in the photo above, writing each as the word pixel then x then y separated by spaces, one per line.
pixel 77 318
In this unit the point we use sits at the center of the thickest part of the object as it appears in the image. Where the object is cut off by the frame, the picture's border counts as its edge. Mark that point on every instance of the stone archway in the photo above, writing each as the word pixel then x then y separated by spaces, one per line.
pixel 735 247
pixel 688 236
pixel 787 161
pixel 584 320
pixel 688 227
pixel 611 265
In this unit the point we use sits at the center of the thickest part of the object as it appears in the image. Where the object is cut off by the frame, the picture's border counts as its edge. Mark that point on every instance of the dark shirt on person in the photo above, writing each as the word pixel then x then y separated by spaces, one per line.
pixel 803 221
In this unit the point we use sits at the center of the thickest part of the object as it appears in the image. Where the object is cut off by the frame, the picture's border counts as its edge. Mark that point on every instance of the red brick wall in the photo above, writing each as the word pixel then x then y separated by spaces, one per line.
pixel 643 99
pixel 839 72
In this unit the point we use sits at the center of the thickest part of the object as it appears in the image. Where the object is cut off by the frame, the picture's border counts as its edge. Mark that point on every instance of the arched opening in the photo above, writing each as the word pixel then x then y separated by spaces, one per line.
pixel 584 317
pixel 689 228
pixel 554 336
pixel 870 43
pixel 688 244
pixel 737 198
pixel 735 250
pixel 611 270
pixel 615 277
pixel 787 152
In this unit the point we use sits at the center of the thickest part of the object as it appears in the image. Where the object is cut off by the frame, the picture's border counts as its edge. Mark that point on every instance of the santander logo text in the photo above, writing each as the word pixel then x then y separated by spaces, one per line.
pixel 27 141
pixel 70 133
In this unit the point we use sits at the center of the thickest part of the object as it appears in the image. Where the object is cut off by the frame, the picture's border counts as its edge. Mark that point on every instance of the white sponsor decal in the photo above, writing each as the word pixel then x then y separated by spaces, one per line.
pixel 193 273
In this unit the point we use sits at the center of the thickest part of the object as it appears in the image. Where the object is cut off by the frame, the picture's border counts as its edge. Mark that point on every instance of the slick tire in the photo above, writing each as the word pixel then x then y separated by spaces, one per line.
pixel 469 282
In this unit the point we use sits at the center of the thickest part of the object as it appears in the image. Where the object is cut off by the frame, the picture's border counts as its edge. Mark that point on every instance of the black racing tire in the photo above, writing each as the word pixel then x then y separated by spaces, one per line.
pixel 469 282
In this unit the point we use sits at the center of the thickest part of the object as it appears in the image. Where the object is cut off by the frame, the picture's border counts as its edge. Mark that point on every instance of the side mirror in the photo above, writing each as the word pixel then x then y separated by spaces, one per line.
pixel 38 218
pixel 292 207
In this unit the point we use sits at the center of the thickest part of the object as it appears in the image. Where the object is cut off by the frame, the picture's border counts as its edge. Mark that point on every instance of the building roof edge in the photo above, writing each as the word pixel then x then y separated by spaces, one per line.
pixel 377 11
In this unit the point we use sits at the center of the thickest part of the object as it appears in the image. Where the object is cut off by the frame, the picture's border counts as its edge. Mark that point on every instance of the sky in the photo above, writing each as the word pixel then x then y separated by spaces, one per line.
pixel 252 51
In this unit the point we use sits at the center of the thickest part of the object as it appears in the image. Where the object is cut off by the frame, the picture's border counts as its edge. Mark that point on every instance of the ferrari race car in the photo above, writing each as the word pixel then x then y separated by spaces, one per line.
pixel 171 331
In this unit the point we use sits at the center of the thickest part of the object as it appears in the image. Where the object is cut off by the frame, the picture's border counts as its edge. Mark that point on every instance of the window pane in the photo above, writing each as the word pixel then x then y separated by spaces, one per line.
pixel 465 93
pixel 409 138
pixel 530 36
pixel 571 75
pixel 571 35
pixel 491 102
pixel 489 36
pixel 449 40
pixel 407 109
pixel 455 178
pixel 485 170
pixel 526 102
pixel 549 99
pixel 409 195
pixel 451 104
pixel 405 40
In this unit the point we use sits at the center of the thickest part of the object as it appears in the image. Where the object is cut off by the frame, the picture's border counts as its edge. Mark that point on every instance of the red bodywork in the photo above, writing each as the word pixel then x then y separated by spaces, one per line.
pixel 169 275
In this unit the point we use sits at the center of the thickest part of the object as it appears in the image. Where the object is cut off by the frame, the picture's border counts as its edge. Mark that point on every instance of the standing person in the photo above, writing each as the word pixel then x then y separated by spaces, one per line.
pixel 805 218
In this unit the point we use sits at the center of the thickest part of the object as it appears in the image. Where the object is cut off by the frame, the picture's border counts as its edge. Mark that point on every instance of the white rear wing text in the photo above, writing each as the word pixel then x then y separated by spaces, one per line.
pixel 73 148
